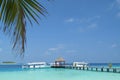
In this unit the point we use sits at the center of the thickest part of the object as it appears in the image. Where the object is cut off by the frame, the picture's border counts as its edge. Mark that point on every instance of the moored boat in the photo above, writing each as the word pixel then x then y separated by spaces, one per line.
pixel 35 65
pixel 80 64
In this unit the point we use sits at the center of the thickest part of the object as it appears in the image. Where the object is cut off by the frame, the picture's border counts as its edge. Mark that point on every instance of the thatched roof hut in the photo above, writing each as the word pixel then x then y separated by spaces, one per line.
pixel 60 59
pixel 59 63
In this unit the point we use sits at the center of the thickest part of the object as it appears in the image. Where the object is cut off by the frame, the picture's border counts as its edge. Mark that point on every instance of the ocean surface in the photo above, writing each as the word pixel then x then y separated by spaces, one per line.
pixel 15 72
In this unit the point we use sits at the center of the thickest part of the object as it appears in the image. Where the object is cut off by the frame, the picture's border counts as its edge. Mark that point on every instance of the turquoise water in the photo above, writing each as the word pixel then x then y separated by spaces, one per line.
pixel 56 74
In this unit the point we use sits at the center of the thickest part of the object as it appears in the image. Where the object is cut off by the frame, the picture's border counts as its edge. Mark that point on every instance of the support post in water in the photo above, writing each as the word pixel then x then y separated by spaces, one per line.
pixel 101 69
pixel 107 69
pixel 96 69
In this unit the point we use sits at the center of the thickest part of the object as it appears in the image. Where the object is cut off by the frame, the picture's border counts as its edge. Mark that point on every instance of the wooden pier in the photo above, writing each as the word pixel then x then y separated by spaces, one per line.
pixel 97 69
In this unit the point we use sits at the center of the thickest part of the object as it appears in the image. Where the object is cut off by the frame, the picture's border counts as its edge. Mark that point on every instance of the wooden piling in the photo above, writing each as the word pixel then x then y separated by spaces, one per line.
pixel 108 69
pixel 101 69
pixel 96 69
pixel 80 68
pixel 87 68
pixel 91 69
pixel 83 68
pixel 114 70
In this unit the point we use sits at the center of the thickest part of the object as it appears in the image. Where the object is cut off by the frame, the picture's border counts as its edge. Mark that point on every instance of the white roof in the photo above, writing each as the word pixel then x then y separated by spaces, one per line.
pixel 33 63
pixel 80 63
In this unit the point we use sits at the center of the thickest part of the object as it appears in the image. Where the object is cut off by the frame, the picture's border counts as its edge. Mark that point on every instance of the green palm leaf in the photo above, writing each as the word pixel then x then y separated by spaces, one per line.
pixel 14 14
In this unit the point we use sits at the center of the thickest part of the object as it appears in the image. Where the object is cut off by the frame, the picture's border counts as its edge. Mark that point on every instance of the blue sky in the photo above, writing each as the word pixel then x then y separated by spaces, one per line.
pixel 77 30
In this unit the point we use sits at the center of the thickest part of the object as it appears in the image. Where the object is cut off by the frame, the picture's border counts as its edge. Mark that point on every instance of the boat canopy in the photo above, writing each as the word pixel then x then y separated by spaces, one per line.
pixel 38 63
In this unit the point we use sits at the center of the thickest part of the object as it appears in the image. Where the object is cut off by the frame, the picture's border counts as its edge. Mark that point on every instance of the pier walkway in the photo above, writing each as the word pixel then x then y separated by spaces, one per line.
pixel 98 69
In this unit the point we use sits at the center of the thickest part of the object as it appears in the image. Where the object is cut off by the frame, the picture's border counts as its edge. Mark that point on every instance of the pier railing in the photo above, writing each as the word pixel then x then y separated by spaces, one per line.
pixel 98 69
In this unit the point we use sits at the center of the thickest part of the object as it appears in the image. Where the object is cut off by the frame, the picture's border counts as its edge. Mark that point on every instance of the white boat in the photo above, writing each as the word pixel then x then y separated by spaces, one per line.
pixel 80 64
pixel 54 64
pixel 35 65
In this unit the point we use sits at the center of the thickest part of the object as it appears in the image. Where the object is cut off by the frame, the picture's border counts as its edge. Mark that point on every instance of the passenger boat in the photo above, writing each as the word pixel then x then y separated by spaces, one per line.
pixel 80 64
pixel 35 65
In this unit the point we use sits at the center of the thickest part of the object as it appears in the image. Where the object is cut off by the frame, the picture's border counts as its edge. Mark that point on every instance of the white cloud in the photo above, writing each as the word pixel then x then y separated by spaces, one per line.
pixel 59 46
pixel 114 45
pixel 93 19
pixel 0 49
pixel 111 6
pixel 71 51
pixel 118 2
pixel 83 20
pixel 0 41
pixel 118 14
pixel 87 27
pixel 85 24
pixel 93 25
pixel 89 19
pixel 115 4
pixel 54 49
pixel 100 42
pixel 97 17
pixel 81 29
pixel 69 20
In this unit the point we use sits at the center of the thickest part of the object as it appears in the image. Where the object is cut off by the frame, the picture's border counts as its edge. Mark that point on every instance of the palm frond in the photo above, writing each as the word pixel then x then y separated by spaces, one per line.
pixel 14 14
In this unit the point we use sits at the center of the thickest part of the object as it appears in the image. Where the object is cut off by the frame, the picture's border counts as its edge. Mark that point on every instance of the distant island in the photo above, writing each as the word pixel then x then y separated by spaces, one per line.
pixel 8 62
